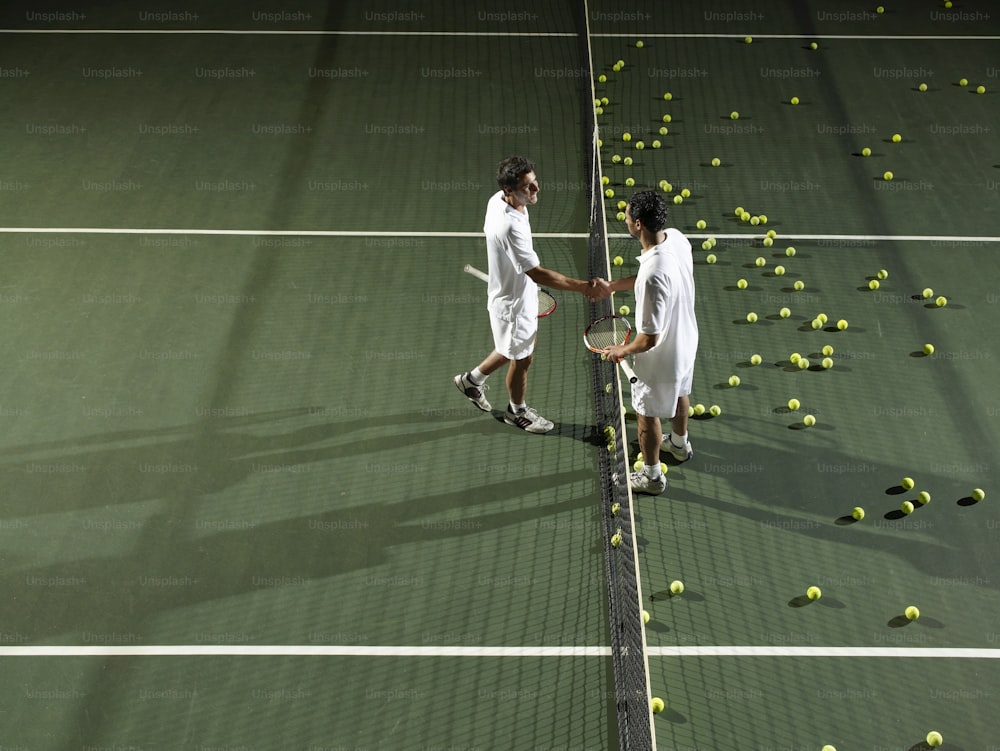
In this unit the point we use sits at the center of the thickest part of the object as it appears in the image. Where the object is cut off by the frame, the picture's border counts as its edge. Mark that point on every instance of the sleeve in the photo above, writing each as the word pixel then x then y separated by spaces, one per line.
pixel 521 249
pixel 652 319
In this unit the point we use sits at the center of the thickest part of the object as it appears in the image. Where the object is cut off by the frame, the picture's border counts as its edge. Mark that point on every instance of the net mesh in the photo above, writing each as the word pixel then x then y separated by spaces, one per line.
pixel 628 642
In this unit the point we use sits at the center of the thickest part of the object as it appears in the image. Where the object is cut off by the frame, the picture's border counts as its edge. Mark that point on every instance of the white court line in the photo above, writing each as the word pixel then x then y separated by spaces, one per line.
pixel 921 37
pixel 480 235
pixel 298 650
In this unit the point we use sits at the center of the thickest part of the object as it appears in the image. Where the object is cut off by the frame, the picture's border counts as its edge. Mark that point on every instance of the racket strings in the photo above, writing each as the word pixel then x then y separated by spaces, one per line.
pixel 546 302
pixel 607 332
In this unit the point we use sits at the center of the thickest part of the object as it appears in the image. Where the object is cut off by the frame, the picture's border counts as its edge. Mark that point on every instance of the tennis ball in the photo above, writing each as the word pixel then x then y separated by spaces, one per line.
pixel 941 301
pixel 794 358
pixel 760 261
pixel 784 312
pixel 745 216
pixel 816 324
pixel 616 67
pixel 858 513
pixel 706 245
pixel 767 242
pixel 906 483
pixel 678 200
pixel 605 179
pixel 813 46
pixel 907 507
pixel 814 593
pixel 645 616
pixel 739 211
pixel 803 363
pixel 626 136
pixel 912 612
pixel 928 349
pixel 715 410
pixel 663 130
pixel 742 283
pixel 873 284
pixel 668 96
pixel 827 350
pixel 710 258
pixel 629 182
pixel 751 317
pixel 978 494
pixel 756 359
pixel 616 539
pixel 610 193
pixel 716 161
pixel 770 233
pixel 640 145
pixel 779 270
pixel 866 151
pixel 924 497
pixel 799 285
pixel 828 747
pixel 618 261
pixel 620 216
pixel 896 137
pixel 963 81
pixel 827 363
pixel 980 89
pixel 887 175
pixel 616 158
pixel 794 404
pixel 754 220
pixel 657 144
pixel 922 87
pixel 734 380
pixel 882 274
pixel 794 100
pixel 842 325
pixel 822 318
pixel 747 40
pixel 624 310
pixel 686 193
pixel 637 465
pixel 598 110
pixel 928 293
pixel 790 251
pixel 808 421
pixel 880 10
pixel 620 63
pixel 615 508
pixel 676 587
pixel 664 468
pixel 627 161
pixel 639 43
pixel 699 410
pixel 734 115
pixel 934 739
pixel 667 118
pixel 656 705
pixel 701 224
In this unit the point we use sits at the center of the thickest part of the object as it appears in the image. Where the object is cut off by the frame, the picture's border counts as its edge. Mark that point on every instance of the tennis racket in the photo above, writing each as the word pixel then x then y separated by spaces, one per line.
pixel 608 331
pixel 546 302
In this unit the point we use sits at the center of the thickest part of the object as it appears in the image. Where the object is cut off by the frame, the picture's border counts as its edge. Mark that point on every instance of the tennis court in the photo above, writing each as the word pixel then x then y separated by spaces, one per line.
pixel 243 505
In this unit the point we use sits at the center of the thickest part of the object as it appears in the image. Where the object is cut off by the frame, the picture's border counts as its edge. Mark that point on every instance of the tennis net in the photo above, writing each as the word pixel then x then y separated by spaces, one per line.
pixel 627 635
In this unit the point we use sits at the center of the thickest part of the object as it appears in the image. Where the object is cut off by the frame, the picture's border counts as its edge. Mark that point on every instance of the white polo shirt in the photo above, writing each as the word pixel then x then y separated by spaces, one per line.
pixel 511 293
pixel 664 305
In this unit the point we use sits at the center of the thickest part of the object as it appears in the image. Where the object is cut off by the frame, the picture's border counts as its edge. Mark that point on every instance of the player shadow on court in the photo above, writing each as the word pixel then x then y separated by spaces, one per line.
pixel 182 556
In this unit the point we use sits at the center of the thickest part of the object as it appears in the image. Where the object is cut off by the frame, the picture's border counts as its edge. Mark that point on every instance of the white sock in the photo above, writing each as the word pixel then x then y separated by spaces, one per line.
pixel 652 470
pixel 477 376
pixel 678 440
pixel 518 407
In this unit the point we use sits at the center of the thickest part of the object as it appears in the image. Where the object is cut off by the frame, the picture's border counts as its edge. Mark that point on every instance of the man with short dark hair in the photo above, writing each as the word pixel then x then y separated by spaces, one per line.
pixel 666 339
pixel 512 293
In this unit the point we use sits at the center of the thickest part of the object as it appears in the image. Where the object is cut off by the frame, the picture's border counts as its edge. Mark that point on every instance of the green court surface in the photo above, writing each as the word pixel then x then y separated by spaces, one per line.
pixel 242 505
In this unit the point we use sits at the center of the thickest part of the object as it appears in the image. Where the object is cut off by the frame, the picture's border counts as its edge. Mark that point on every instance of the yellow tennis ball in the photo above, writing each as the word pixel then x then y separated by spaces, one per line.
pixel 637 465
pixel 711 258
pixel 880 10
pixel 756 359
pixel 794 404
pixel 678 200
pixel 760 261
pixel 978 494
pixel 629 182
pixel 664 130
pixel 751 317
pixel 767 242
pixel 615 508
pixel 808 421
pixel 626 136
pixel 928 293
pixel 754 220
pixel 816 324
pixel 941 301
pixel 827 363
pixel 794 100
pixel 618 261
pixel 887 175
pixel 739 211
pixel 706 245
pixel 828 747
pixel 716 162
pixel 866 151
pixel 686 192
pixel 912 612
pixel 906 507
pixel 715 410
pixel 906 483
pixel 873 284
pixel 799 285
pixel 640 145
pixel 922 87
pixel 858 513
pixel 699 410
pixel 813 46
pixel 822 318
pixel 814 593
pixel 605 180
pixel 794 358
pixel 963 81
pixel 676 587
pixel 667 118
pixel 928 349
pixel 934 739
pixel 668 96
pixel 609 193
pixel 645 616
pixel 657 144
pixel 924 497
pixel 745 216
pixel 734 115
pixel 639 43
pixel 624 310
pixel 779 270
pixel 734 380
pixel 616 539
pixel 657 705
pixel 980 89
pixel 602 78
pixel 747 40
pixel 882 274
pixel 784 312
pixel 627 161
pixel 896 137
pixel 616 158
pixel 842 324
pixel 742 283
pixel 770 233
pixel 827 350
pixel 701 224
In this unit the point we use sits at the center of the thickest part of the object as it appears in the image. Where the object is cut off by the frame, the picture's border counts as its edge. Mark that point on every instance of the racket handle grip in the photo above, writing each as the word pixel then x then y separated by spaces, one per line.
pixel 475 272
pixel 629 373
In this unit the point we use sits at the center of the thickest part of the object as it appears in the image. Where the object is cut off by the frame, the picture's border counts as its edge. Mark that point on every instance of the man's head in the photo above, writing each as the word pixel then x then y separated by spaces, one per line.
pixel 516 178
pixel 647 211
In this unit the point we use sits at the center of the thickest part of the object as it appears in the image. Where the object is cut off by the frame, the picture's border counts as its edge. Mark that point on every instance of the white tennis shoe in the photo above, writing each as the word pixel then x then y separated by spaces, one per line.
pixel 643 483
pixel 472 391
pixel 527 419
pixel 680 453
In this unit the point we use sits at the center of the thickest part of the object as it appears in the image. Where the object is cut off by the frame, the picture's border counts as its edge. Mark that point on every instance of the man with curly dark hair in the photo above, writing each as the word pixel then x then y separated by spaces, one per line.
pixel 512 293
pixel 666 340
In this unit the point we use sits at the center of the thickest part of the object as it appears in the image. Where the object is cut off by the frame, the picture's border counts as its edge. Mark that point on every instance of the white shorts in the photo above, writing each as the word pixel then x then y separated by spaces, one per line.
pixel 658 399
pixel 515 339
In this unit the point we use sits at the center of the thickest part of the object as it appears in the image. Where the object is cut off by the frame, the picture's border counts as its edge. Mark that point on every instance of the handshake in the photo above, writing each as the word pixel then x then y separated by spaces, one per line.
pixel 598 290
